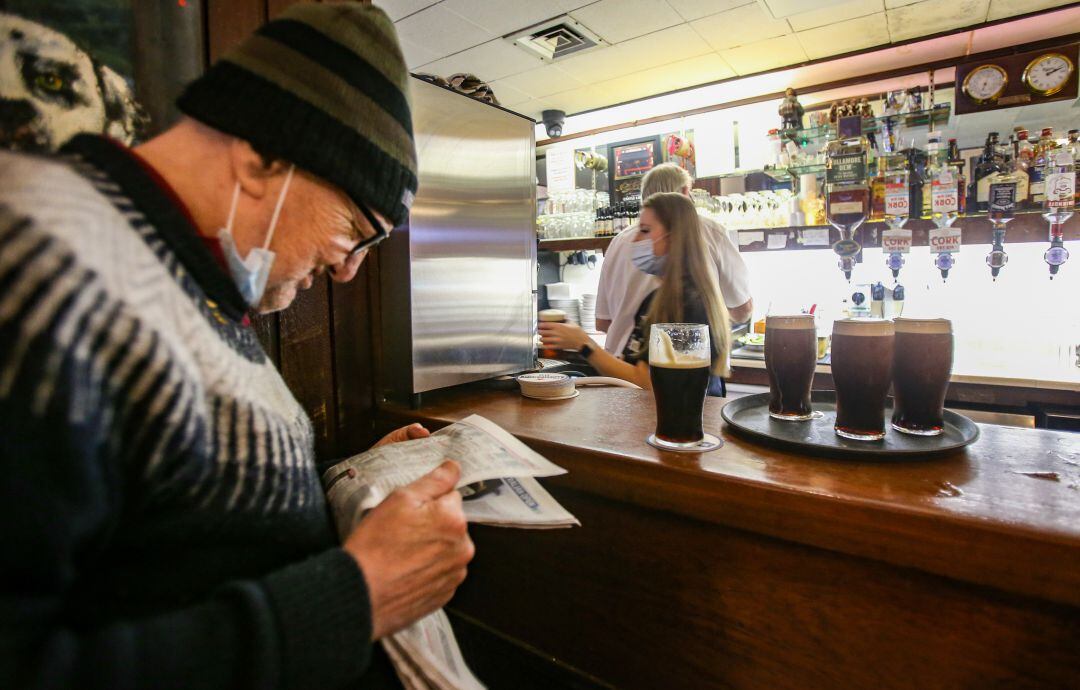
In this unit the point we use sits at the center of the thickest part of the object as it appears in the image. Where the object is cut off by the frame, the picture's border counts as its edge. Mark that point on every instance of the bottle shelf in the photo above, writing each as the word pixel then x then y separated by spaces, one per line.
pixel 1027 226
pixel 939 115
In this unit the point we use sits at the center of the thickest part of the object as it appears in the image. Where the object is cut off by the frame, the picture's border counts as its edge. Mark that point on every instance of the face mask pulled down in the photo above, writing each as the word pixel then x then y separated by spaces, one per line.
pixel 250 273
pixel 644 258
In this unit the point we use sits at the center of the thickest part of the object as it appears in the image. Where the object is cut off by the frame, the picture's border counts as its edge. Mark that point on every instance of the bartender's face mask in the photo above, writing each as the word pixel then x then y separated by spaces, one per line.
pixel 651 239
pixel 250 273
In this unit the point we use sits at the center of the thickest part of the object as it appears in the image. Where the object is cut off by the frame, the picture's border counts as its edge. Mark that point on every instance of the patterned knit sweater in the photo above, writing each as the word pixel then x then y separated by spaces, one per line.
pixel 163 522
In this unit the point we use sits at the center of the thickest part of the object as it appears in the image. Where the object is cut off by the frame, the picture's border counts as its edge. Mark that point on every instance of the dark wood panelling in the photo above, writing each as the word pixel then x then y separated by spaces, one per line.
pixel 230 21
pixel 645 599
pixel 307 361
pixel 354 306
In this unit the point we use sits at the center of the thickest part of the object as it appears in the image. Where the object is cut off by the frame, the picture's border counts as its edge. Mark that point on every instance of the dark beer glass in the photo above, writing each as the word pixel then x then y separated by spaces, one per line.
pixel 862 358
pixel 922 364
pixel 790 358
pixel 680 356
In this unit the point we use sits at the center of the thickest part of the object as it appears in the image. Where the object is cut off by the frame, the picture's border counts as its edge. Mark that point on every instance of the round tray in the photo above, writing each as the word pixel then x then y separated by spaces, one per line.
pixel 750 416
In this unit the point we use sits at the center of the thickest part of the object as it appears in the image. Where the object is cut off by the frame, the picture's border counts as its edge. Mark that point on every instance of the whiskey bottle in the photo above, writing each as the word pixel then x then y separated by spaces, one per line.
pixel 989 163
pixel 847 196
pixel 1043 152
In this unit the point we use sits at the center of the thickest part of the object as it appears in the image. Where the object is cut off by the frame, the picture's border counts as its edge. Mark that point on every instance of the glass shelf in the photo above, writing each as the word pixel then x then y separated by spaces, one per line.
pixel 919 118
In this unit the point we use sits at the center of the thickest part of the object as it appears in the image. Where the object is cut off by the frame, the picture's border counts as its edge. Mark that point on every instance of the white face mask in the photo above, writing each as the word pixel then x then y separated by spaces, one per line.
pixel 645 259
pixel 251 273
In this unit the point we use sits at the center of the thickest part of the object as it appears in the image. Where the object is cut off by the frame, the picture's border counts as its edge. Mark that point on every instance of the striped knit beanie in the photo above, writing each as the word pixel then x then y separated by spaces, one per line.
pixel 323 86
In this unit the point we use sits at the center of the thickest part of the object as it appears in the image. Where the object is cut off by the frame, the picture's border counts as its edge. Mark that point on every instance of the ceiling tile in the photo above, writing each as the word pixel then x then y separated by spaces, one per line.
pixel 740 26
pixel 440 31
pixel 1000 9
pixel 812 19
pixel 508 96
pixel 696 9
pixel 765 55
pixel 397 9
pixel 844 37
pixel 620 20
pixel 890 4
pixel 670 45
pixel 678 75
pixel 1025 30
pixel 506 16
pixel 933 16
pixel 415 54
pixel 533 108
pixel 540 82
pixel 584 98
pixel 489 61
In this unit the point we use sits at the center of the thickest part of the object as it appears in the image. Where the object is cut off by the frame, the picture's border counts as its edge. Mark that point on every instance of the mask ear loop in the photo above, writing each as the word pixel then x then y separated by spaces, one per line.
pixel 232 208
pixel 277 208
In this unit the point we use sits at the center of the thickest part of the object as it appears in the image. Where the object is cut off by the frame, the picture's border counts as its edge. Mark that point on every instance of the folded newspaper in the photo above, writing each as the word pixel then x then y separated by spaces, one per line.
pixel 498 486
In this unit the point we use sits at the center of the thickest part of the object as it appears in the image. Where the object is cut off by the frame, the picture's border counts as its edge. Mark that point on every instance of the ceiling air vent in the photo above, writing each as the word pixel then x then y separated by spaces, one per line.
pixel 555 39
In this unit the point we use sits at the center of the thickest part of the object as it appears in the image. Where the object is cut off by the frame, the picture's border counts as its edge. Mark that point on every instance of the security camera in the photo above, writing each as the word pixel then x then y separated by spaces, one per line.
pixel 553 122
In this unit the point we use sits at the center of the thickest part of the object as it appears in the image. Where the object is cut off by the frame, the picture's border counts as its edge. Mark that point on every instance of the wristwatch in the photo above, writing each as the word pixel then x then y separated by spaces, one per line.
pixel 585 350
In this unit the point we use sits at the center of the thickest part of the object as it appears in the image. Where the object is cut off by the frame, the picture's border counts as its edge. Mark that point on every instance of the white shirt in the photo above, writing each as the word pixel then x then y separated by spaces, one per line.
pixel 623 287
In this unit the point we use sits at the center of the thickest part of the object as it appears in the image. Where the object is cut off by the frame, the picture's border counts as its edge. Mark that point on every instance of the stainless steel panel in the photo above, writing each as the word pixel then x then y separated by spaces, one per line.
pixel 472 241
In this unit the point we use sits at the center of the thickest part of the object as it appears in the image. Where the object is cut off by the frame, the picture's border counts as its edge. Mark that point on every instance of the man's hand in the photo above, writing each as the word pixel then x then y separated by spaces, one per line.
pixel 413 549
pixel 405 433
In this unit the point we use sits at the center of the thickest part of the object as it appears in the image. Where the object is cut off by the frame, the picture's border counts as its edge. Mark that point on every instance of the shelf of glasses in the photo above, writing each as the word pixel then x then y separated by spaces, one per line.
pixel 1026 226
pixel 918 118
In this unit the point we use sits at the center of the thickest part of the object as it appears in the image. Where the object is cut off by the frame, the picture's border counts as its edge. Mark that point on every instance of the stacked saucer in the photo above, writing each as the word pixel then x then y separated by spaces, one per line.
pixel 588 312
pixel 570 306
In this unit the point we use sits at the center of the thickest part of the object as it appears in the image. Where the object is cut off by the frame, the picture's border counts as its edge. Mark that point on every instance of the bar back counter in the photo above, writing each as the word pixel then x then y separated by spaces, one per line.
pixel 752 567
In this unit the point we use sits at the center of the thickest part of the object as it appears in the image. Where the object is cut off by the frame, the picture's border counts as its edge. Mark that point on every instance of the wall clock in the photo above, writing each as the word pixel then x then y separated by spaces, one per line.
pixel 1047 74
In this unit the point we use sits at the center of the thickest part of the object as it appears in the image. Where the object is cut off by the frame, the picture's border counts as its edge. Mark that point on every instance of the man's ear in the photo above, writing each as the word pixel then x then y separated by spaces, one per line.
pixel 252 169
pixel 125 119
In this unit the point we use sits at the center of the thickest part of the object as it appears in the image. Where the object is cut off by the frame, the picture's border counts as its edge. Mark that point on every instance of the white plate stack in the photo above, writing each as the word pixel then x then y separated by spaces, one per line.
pixel 570 306
pixel 560 297
pixel 588 312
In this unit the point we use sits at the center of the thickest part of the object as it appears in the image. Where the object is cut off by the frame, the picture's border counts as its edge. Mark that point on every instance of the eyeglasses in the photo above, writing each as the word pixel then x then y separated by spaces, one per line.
pixel 368 242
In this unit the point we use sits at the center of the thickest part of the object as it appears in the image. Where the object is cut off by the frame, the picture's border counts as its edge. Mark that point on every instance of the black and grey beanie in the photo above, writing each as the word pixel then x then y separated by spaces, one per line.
pixel 323 86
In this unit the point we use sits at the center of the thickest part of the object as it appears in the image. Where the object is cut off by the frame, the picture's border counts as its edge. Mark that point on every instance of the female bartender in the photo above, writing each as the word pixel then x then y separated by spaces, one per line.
pixel 670 245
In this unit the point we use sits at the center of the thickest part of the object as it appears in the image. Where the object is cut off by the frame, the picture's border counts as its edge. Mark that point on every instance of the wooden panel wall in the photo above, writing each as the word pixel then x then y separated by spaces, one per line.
pixel 322 344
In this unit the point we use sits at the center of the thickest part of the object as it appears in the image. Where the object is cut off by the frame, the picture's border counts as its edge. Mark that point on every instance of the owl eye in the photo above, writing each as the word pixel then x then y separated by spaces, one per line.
pixel 50 81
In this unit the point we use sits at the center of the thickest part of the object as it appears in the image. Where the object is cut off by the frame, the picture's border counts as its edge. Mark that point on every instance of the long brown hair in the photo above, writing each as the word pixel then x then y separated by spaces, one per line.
pixel 689 264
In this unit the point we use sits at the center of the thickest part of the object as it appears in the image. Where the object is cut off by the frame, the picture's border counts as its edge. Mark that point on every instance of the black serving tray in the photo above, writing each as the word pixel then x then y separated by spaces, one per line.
pixel 749 416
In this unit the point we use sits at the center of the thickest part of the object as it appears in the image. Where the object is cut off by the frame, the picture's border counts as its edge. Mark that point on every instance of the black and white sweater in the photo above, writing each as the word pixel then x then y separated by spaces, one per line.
pixel 163 522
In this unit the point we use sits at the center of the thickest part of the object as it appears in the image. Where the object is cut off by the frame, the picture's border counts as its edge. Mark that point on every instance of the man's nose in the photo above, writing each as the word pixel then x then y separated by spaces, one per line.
pixel 346 271
pixel 16 114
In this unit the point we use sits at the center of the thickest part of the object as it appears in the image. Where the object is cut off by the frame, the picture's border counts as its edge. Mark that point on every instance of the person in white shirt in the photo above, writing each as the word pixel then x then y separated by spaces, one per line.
pixel 623 287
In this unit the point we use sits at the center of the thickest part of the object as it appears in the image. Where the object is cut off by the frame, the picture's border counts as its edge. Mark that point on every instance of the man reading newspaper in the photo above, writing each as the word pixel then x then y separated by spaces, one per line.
pixel 497 478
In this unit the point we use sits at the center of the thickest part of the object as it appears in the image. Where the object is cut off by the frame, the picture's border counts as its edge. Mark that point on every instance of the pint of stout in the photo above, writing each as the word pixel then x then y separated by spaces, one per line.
pixel 862 358
pixel 921 367
pixel 680 356
pixel 790 356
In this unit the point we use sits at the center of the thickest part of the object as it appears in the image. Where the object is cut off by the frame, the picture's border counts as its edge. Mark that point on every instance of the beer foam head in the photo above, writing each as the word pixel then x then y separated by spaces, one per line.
pixel 872 327
pixel 551 315
pixel 662 353
pixel 790 322
pixel 927 326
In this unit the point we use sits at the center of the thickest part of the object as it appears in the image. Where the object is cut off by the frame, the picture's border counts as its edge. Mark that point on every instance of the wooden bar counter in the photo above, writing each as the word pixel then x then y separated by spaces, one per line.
pixel 753 567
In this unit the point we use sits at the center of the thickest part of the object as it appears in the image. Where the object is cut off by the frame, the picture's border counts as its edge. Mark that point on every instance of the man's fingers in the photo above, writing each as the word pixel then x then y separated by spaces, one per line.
pixel 438 482
pixel 415 431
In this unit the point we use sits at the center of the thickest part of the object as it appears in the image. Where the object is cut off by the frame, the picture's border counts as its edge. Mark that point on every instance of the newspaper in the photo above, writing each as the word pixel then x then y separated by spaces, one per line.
pixel 498 487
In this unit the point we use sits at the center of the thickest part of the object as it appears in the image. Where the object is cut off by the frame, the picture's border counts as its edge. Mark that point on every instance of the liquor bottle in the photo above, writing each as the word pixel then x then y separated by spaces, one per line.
pixel 988 164
pixel 1002 186
pixel 954 151
pixel 1058 205
pixel 1043 152
pixel 877 189
pixel 1025 157
pixel 598 230
pixel 605 222
pixel 1074 149
pixel 945 188
pixel 847 196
